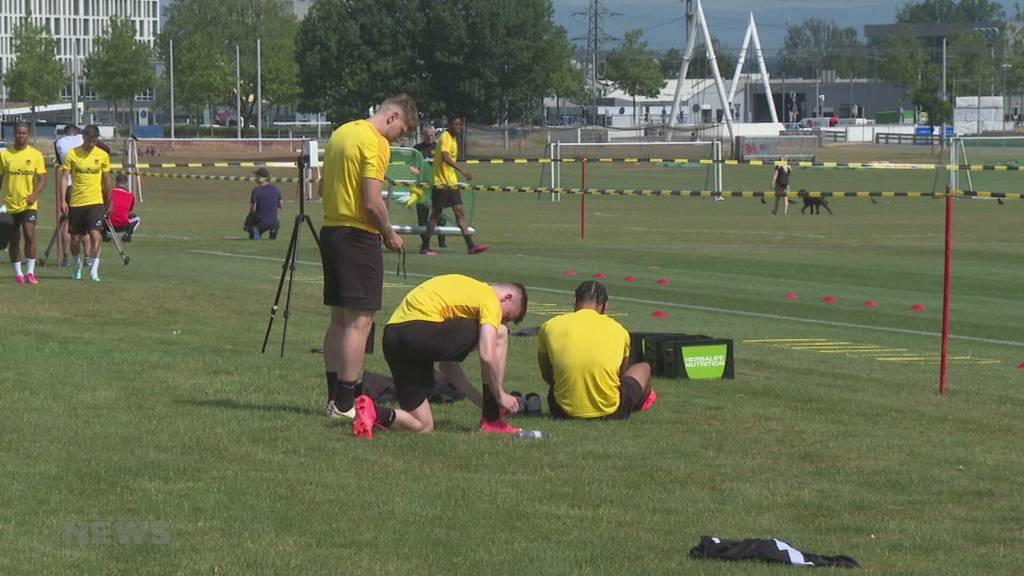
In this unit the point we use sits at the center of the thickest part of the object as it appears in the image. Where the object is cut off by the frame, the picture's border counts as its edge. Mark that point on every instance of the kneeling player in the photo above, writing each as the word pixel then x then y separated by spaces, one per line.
pixel 443 320
pixel 584 358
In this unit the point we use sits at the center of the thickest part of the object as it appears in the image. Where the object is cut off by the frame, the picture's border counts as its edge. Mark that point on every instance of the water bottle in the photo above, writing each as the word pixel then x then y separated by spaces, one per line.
pixel 530 435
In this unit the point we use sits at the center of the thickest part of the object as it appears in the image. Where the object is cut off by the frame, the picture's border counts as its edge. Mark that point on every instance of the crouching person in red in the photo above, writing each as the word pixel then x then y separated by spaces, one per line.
pixel 443 320
pixel 122 201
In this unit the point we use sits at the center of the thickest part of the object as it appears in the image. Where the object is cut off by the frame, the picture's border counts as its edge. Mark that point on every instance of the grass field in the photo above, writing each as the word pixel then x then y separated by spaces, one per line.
pixel 145 398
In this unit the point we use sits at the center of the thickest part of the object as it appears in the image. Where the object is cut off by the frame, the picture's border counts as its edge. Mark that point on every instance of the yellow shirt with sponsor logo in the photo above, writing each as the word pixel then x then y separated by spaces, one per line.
pixel 586 349
pixel 19 168
pixel 443 173
pixel 87 170
pixel 447 297
pixel 355 151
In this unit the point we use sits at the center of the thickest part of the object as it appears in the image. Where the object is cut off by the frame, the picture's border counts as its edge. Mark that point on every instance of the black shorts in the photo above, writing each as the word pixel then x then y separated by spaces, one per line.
pixel 411 348
pixel 82 219
pixel 631 396
pixel 24 217
pixel 353 268
pixel 441 198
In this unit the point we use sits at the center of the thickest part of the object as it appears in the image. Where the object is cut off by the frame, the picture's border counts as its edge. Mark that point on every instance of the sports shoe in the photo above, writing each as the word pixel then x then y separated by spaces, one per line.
pixel 76 272
pixel 649 401
pixel 478 248
pixel 498 426
pixel 19 279
pixel 335 412
pixel 427 252
pixel 31 278
pixel 366 417
pixel 94 278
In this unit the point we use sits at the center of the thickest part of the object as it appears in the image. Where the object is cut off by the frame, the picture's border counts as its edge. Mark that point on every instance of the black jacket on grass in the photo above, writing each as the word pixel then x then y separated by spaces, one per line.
pixel 775 551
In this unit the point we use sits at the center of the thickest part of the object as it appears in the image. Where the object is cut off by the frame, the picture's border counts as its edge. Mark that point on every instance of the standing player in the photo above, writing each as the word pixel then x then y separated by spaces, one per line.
pixel 780 184
pixel 446 188
pixel 72 138
pixel 443 320
pixel 24 173
pixel 355 222
pixel 89 167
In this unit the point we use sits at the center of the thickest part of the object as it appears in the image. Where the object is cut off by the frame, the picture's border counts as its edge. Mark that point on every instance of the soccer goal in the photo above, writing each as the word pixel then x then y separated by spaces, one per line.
pixel 636 165
pixel 995 152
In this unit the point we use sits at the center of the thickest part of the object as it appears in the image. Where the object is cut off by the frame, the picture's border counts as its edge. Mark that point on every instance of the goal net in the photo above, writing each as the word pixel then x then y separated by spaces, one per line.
pixel 1000 159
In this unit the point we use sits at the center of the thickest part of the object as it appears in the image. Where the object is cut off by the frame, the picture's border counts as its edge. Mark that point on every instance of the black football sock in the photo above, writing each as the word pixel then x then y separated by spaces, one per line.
pixel 332 385
pixel 492 411
pixel 385 416
pixel 469 241
pixel 345 396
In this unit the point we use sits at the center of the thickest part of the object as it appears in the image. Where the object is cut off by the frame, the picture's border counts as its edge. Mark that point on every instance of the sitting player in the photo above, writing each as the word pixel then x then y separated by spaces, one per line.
pixel 584 356
pixel 120 216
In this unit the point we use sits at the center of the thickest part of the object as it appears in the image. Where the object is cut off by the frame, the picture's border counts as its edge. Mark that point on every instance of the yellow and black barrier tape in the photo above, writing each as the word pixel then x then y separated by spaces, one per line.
pixel 879 165
pixel 632 191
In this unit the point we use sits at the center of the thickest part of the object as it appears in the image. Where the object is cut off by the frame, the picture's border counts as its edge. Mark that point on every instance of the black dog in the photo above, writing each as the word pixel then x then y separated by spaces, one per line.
pixel 815 204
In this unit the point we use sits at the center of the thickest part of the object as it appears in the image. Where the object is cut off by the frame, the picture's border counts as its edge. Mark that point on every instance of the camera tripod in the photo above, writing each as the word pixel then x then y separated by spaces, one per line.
pixel 288 266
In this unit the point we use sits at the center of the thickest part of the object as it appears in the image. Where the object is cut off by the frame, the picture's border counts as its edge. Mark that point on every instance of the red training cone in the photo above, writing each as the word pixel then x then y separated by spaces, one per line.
pixel 659 314
pixel 871 304
pixel 663 282
pixel 569 273
pixel 630 278
pixel 600 275
pixel 917 308
pixel 829 300
pixel 791 296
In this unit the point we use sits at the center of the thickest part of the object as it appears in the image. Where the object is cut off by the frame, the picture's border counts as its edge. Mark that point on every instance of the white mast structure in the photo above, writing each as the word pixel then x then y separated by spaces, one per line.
pixel 759 54
pixel 701 21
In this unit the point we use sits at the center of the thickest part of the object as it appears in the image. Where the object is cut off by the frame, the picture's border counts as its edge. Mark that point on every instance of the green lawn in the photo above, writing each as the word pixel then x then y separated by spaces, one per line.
pixel 145 398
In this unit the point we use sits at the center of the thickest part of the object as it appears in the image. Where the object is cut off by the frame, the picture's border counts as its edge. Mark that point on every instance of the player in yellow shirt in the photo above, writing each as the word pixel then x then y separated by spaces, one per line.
pixel 89 167
pixel 24 174
pixel 446 188
pixel 584 357
pixel 355 223
pixel 443 320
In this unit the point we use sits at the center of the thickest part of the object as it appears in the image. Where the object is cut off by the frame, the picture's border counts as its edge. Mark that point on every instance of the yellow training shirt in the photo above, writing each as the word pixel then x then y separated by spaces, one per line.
pixel 586 349
pixel 355 151
pixel 87 170
pixel 443 173
pixel 19 168
pixel 450 296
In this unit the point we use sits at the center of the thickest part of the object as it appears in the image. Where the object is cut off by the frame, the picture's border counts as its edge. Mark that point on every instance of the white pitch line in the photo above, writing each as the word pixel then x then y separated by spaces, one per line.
pixel 765 315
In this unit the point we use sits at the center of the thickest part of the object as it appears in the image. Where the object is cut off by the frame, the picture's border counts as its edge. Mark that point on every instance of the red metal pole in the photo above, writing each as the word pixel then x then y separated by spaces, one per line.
pixel 583 198
pixel 945 294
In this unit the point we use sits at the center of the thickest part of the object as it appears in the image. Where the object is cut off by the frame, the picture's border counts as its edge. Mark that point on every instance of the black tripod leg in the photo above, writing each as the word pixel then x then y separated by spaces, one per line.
pixel 312 230
pixel 291 279
pixel 288 258
pixel 46 254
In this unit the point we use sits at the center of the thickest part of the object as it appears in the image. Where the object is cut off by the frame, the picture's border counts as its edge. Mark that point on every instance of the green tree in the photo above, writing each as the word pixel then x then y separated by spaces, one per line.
pixel 119 66
pixel 701 68
pixel 633 69
pixel 354 53
pixel 670 62
pixel 36 76
pixel 902 60
pixel 950 11
pixel 205 35
pixel 973 61
pixel 816 45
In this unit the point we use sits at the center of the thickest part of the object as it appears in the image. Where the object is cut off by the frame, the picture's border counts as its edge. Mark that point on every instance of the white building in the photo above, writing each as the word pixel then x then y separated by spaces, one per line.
pixel 75 24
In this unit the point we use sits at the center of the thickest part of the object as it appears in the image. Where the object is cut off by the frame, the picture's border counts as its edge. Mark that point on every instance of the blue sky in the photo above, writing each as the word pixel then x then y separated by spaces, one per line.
pixel 664 27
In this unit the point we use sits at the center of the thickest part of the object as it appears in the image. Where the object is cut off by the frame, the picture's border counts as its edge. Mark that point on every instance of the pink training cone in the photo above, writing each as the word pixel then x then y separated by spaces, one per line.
pixel 791 296
pixel 871 304
pixel 917 308
pixel 659 314
pixel 630 278
pixel 829 300
pixel 600 275
pixel 663 282
pixel 569 273
pixel 1020 366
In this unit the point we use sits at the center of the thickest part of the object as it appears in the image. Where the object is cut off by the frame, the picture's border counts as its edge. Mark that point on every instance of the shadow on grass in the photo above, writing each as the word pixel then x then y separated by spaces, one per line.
pixel 236 405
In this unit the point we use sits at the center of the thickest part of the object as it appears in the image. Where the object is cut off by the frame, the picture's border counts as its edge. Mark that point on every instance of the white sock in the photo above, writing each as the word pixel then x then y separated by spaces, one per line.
pixel 17 268
pixel 78 261
pixel 31 268
pixel 94 267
